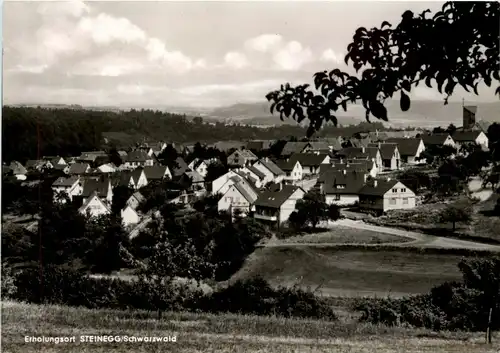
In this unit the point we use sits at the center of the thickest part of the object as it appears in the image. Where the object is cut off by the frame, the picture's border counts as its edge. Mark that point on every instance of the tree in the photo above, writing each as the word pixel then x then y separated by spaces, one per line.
pixel 215 170
pixel 171 260
pixel 456 213
pixel 312 208
pixel 438 130
pixel 198 120
pixel 415 179
pixel 333 212
pixel 114 157
pixel 120 196
pixel 451 129
pixel 457 46
pixel 484 275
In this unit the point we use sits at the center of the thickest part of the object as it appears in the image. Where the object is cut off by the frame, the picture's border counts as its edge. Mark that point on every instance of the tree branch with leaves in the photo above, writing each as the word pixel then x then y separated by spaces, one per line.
pixel 458 46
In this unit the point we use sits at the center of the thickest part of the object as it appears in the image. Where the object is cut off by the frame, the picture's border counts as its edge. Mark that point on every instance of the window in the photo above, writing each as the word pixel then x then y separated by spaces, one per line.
pixel 403 190
pixel 337 197
pixel 392 201
pixel 394 190
pixel 405 201
pixel 340 186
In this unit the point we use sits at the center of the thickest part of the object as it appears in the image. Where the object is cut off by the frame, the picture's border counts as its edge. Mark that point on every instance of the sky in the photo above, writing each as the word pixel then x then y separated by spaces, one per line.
pixel 189 54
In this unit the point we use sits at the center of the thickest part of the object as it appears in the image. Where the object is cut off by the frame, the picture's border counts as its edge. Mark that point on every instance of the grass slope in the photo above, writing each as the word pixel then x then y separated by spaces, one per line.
pixel 345 272
pixel 212 333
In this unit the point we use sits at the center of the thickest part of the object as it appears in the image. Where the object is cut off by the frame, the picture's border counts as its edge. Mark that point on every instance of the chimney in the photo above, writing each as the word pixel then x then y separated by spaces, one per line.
pixel 341 160
pixel 363 149
pixel 345 172
pixel 388 179
pixel 379 145
pixel 375 183
pixel 365 177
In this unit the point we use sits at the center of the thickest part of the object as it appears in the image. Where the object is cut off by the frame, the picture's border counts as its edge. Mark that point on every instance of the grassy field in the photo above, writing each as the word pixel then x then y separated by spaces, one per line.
pixel 212 333
pixel 345 235
pixel 343 272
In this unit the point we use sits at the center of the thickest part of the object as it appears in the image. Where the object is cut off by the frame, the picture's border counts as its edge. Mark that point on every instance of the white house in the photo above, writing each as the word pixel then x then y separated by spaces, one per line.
pixel 293 170
pixel 409 149
pixel 254 174
pixel 107 168
pixel 240 196
pixel 135 179
pixel 129 216
pixel 271 171
pixel 135 200
pixel 94 207
pixel 201 167
pixel 278 205
pixel 71 187
pixel 342 187
pixel 310 162
pixel 384 195
pixel 218 183
pixel 157 172
pixel 18 170
pixel 470 137
pixel 100 186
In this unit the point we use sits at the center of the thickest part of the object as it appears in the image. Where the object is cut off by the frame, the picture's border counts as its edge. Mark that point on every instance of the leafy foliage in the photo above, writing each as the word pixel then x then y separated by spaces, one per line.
pixel 458 46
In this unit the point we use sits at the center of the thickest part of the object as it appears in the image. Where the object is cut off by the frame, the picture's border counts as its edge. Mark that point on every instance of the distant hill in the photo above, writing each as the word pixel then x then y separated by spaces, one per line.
pixel 421 114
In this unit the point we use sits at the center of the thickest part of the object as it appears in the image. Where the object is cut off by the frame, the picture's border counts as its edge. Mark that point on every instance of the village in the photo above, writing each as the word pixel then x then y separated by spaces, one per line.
pixel 360 172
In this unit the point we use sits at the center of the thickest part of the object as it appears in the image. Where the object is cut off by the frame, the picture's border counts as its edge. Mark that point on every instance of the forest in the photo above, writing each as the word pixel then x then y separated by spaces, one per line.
pixel 29 133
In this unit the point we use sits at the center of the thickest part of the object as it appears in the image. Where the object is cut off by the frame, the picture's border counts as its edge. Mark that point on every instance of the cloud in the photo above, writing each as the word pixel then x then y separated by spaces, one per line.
pixel 70 28
pixel 293 56
pixel 264 43
pixel 331 56
pixel 236 60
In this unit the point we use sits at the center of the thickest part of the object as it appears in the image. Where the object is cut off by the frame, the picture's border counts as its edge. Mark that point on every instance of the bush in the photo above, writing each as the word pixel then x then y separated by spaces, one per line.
pixel 8 286
pixel 68 287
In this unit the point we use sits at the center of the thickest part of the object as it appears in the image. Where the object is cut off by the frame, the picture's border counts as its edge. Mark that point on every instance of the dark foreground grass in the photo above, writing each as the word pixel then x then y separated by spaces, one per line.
pixel 216 333
pixel 346 272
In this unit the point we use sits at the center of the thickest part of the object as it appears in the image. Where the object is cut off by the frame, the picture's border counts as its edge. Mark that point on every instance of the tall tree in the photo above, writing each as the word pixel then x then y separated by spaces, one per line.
pixel 458 46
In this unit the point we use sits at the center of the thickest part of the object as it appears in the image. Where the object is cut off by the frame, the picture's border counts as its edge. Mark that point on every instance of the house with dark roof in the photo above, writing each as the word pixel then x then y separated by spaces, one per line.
pixel 366 166
pixel 384 195
pixel 320 147
pixel 277 205
pixel 310 162
pixel 476 137
pixel 134 179
pixel 191 181
pixel 157 173
pixel 342 187
pixel 71 187
pixel 354 154
pixel 107 168
pixel 199 166
pixel 292 168
pixel 180 168
pixel 259 145
pixel 438 140
pixel 94 206
pixel 295 147
pixel 239 197
pixel 54 160
pixel 270 169
pixel 135 200
pixel 409 149
pixel 226 146
pixel 38 165
pixel 90 157
pixel 99 185
pixel 138 158
pixel 242 157
pixel 389 152
pixel 79 168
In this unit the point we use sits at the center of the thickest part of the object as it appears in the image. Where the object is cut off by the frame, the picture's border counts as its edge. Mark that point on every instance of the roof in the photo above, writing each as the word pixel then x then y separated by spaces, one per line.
pixel 33 163
pixel 382 187
pixel 325 169
pixel 357 152
pixel 466 136
pixel 101 187
pixel 246 189
pixel 227 145
pixel 156 172
pixel 275 199
pixel 308 159
pixel 66 182
pixel 89 200
pixel 434 139
pixel 284 165
pixel 386 149
pixel 272 167
pixel 406 146
pixel 138 156
pixel 181 166
pixel 352 182
pixel 471 108
pixel 138 196
pixel 360 142
pixel 259 145
pixel 293 147
pixel 78 168
pixel 127 174
pixel 61 166
pixel 320 145
pixel 256 171
pixel 483 125
pixel 17 168
pixel 195 176
pixel 245 153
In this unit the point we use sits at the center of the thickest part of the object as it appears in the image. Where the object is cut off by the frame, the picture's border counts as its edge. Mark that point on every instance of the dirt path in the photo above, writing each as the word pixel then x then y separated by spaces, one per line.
pixel 418 239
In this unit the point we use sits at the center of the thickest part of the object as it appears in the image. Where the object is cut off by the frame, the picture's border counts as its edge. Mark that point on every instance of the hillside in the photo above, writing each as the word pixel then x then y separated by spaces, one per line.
pixel 421 113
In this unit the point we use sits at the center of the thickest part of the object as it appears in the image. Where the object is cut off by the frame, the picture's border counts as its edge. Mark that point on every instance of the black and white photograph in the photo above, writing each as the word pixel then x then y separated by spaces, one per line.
pixel 250 176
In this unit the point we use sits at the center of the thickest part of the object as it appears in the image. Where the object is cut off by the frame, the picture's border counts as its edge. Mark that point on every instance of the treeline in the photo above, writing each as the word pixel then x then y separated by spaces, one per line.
pixel 32 132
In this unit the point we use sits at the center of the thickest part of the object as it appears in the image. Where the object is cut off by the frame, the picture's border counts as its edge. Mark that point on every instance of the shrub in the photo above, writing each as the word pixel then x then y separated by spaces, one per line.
pixel 8 285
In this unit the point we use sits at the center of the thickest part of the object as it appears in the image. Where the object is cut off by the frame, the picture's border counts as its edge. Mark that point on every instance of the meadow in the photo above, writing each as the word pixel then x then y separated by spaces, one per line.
pixel 352 272
pixel 220 333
